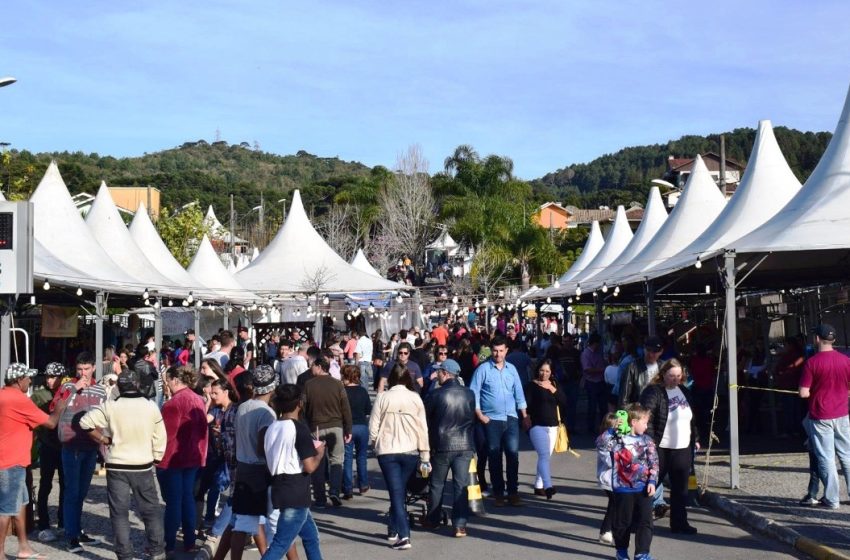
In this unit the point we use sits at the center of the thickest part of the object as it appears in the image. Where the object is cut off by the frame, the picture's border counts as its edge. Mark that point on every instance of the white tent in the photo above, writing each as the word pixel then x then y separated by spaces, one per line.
pixel 209 270
pixel 109 229
pixel 242 261
pixel 817 217
pixel 299 261
pixel 594 244
pixel 654 216
pixel 701 202
pixel 444 242
pixel 360 262
pixel 59 228
pixel 768 184
pixel 47 266
pixel 217 230
pixel 148 240
pixel 618 239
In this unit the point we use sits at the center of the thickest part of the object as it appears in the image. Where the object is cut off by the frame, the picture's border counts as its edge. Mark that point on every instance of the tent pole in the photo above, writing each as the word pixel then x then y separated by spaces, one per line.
pixel 99 310
pixel 600 314
pixel 417 301
pixel 318 327
pixel 650 307
pixel 157 328
pixel 226 323
pixel 196 346
pixel 732 368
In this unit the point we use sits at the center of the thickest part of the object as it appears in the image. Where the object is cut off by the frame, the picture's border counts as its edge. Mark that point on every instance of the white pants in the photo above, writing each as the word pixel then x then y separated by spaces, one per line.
pixel 543 440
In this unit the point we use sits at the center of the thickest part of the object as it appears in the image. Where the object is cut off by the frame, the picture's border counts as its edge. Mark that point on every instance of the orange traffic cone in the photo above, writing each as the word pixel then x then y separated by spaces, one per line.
pixel 473 491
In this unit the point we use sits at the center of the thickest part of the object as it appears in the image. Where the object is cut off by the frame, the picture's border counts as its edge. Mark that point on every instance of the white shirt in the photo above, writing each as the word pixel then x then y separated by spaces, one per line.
pixel 279 444
pixel 364 349
pixel 289 369
pixel 677 432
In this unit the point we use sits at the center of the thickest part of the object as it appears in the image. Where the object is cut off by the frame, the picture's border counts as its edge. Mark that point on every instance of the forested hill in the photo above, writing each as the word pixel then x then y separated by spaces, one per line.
pixel 202 171
pixel 625 175
pixel 208 172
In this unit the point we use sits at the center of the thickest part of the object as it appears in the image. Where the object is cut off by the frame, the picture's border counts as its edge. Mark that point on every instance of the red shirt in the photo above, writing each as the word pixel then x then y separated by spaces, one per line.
pixel 441 335
pixel 18 417
pixel 185 418
pixel 827 375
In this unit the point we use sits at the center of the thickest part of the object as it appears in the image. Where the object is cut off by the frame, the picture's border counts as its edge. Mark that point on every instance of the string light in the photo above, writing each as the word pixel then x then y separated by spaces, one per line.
pixel 146 294
pixel 191 298
pixel 371 307
pixel 170 303
pixel 156 304
pixel 79 291
pixel 185 303
pixel 326 300
pixel 605 288
pixel 556 284
pixel 698 264
pixel 46 284
pixel 399 299
pixel 32 300
pixel 578 290
pixel 309 308
pixel 548 300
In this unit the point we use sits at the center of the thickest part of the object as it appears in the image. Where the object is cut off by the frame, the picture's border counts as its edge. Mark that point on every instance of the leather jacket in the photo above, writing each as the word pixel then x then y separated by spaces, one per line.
pixel 654 397
pixel 450 410
pixel 630 388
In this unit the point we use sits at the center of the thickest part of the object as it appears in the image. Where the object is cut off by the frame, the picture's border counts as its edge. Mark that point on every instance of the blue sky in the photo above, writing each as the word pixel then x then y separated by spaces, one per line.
pixel 547 83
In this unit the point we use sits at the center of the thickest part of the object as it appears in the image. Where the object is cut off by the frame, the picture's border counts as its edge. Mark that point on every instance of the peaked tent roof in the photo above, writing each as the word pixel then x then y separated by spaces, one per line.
pixel 768 184
pixel 217 230
pixel 148 240
pixel 298 260
pixel 817 217
pixel 701 202
pixel 60 229
pixel 47 266
pixel 207 267
pixel 444 242
pixel 618 239
pixel 360 262
pixel 108 228
pixel 594 244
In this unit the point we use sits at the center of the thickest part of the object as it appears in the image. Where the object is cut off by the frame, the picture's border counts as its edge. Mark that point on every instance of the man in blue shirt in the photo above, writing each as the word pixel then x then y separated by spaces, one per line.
pixel 499 399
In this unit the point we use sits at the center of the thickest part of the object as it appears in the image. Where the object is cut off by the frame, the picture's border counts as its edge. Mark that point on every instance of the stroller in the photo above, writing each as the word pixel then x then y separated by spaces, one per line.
pixel 418 496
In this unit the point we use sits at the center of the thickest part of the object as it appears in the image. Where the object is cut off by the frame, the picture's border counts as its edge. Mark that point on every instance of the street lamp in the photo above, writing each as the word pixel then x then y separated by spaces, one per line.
pixel 283 200
pixel 7 80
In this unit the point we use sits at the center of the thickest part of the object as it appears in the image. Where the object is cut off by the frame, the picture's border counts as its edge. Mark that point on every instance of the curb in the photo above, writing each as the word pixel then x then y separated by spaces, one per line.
pixel 769 527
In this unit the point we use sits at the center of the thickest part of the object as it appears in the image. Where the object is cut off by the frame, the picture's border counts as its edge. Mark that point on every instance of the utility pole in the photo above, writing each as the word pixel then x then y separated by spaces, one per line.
pixel 262 222
pixel 232 231
pixel 150 210
pixel 723 165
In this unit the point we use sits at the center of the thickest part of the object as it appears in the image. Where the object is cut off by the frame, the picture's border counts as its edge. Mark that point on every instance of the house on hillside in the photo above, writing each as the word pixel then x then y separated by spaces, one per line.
pixel 553 215
pixel 679 169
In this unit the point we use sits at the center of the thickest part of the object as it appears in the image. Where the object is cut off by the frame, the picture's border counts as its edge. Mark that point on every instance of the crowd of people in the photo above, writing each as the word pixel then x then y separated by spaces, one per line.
pixel 243 448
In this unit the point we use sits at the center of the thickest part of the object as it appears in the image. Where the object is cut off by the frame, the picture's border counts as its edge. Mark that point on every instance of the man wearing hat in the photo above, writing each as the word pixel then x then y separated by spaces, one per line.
pixel 450 410
pixel 250 493
pixel 18 417
pixel 132 428
pixel 637 374
pixel 49 455
pixel 824 382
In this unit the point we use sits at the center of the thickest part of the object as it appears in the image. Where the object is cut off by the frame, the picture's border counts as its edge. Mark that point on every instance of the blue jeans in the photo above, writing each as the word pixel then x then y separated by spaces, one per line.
pixel 357 446
pixel 365 374
pixel 79 468
pixel 397 469
pixel 458 462
pixel 294 522
pixel 177 486
pixel 503 436
pixel 828 439
pixel 213 479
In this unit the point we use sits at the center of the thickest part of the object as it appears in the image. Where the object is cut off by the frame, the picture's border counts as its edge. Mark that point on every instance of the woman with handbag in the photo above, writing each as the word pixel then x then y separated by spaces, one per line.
pixel 545 404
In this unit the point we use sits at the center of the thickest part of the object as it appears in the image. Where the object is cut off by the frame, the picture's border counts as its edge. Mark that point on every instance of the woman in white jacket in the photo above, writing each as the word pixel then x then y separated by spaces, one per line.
pixel 398 430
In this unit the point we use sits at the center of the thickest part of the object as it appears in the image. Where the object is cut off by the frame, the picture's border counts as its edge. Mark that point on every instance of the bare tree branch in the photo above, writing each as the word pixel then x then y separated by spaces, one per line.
pixel 340 229
pixel 316 281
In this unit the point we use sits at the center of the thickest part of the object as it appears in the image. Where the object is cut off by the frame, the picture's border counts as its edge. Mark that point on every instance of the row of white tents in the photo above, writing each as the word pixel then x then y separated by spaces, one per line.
pixel 772 233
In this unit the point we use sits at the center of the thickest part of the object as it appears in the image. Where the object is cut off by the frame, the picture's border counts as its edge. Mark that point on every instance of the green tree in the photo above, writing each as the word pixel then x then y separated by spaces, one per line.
pixel 182 231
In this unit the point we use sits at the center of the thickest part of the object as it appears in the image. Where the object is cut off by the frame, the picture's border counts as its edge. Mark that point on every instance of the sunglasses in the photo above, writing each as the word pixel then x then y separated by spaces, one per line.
pixel 403 352
pixel 442 353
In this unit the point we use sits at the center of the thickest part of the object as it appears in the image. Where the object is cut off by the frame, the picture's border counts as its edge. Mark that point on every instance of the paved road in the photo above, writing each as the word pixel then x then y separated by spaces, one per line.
pixel 566 527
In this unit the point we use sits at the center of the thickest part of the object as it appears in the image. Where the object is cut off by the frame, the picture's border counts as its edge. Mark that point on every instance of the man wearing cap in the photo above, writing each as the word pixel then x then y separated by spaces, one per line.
pixel 637 374
pixel 49 455
pixel 18 417
pixel 250 493
pixel 131 427
pixel 825 382
pixel 450 411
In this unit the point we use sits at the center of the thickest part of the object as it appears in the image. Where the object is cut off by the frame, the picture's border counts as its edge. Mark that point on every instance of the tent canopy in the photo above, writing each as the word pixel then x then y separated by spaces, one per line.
pixel 207 267
pixel 217 230
pixel 360 262
pixel 298 261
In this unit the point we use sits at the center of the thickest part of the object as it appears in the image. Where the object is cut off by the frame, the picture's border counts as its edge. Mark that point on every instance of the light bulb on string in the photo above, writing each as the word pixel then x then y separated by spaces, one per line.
pixel 371 307
pixel 556 284
pixel 185 303
pixel 454 299
pixel 570 308
pixel 326 300
pixel 578 290
pixel 146 294
pixel 147 301
pixel 605 288
pixel 399 299
pixel 484 301
pixel 32 300
pixel 46 285
pixel 156 304
pixel 309 308
pixel 698 264
pixel 421 307
pixel 79 291
pixel 191 298
pixel 569 300
pixel 548 300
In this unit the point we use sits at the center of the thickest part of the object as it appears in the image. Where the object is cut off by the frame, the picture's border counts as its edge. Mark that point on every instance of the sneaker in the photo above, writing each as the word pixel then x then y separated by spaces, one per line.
pixel 606 538
pixel 73 546
pixel 392 537
pixel 401 544
pixel 87 539
pixel 460 532
pixel 47 535
pixel 826 505
pixel 336 501
pixel 808 501
pixel 644 556
pixel 622 554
